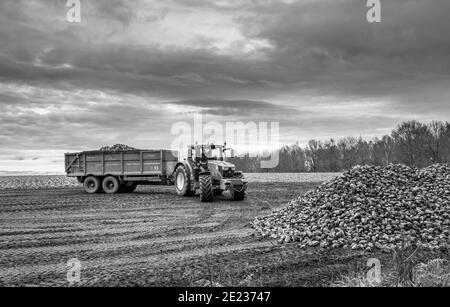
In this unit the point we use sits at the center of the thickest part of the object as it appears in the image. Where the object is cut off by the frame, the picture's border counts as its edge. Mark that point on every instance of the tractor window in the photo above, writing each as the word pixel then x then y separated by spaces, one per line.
pixel 213 154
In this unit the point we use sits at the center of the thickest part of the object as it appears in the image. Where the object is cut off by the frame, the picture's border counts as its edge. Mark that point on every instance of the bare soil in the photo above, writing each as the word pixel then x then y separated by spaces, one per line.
pixel 155 238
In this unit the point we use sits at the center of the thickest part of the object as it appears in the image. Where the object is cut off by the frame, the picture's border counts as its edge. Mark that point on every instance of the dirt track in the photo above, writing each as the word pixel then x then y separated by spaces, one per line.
pixel 127 239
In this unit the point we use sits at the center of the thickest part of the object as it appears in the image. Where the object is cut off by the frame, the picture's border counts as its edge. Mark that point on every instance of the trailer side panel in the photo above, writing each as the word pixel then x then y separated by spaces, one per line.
pixel 126 163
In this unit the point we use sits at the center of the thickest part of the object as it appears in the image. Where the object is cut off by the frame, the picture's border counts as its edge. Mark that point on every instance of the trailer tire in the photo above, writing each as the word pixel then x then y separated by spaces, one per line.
pixel 206 188
pixel 183 182
pixel 92 185
pixel 111 185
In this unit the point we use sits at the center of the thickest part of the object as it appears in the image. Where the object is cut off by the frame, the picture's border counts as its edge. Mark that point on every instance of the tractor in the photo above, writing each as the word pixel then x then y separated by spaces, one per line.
pixel 206 169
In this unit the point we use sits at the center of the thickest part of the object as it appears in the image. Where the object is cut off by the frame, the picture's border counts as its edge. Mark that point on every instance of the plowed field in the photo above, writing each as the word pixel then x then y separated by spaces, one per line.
pixel 154 238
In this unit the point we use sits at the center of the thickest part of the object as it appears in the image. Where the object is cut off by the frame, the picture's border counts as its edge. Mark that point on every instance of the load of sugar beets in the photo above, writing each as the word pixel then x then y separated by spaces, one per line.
pixel 368 208
pixel 117 147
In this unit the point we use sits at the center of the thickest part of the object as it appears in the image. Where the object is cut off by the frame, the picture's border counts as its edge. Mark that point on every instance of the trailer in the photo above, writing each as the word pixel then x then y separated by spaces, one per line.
pixel 121 171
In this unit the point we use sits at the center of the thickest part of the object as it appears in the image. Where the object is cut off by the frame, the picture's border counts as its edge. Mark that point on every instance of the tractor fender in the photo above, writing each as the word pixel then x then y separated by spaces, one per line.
pixel 187 166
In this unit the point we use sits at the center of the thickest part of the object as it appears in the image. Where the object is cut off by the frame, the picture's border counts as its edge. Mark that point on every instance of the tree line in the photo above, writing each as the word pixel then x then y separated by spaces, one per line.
pixel 411 143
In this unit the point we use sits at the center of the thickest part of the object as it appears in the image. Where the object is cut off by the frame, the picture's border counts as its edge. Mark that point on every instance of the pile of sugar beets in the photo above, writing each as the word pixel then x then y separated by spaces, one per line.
pixel 117 147
pixel 368 208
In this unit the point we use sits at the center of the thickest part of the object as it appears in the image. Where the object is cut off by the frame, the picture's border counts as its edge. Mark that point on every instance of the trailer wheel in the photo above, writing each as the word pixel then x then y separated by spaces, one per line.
pixel 206 188
pixel 183 182
pixel 92 185
pixel 111 185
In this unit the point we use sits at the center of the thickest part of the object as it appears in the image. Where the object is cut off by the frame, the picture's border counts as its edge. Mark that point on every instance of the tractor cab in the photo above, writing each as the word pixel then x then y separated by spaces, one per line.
pixel 212 158
pixel 204 153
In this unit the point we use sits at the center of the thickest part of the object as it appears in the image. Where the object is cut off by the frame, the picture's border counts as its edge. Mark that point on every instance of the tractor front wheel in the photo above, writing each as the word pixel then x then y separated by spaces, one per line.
pixel 206 188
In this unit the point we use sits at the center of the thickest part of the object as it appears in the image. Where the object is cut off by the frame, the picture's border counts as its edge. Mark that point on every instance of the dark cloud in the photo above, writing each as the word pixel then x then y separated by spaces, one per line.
pixel 117 10
pixel 325 47
pixel 329 46
pixel 248 108
pixel 319 68
pixel 18 158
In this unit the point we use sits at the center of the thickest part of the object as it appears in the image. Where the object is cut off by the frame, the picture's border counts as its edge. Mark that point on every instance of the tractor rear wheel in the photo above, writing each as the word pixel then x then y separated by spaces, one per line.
pixel 206 188
pixel 183 182
pixel 92 185
pixel 111 185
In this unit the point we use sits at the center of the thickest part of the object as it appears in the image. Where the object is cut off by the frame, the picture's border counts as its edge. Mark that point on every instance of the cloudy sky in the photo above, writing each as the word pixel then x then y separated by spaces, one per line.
pixel 131 69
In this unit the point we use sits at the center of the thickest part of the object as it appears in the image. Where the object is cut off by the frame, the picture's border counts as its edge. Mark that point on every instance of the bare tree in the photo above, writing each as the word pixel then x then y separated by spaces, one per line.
pixel 438 133
pixel 383 150
pixel 348 151
pixel 411 139
pixel 411 143
pixel 312 155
